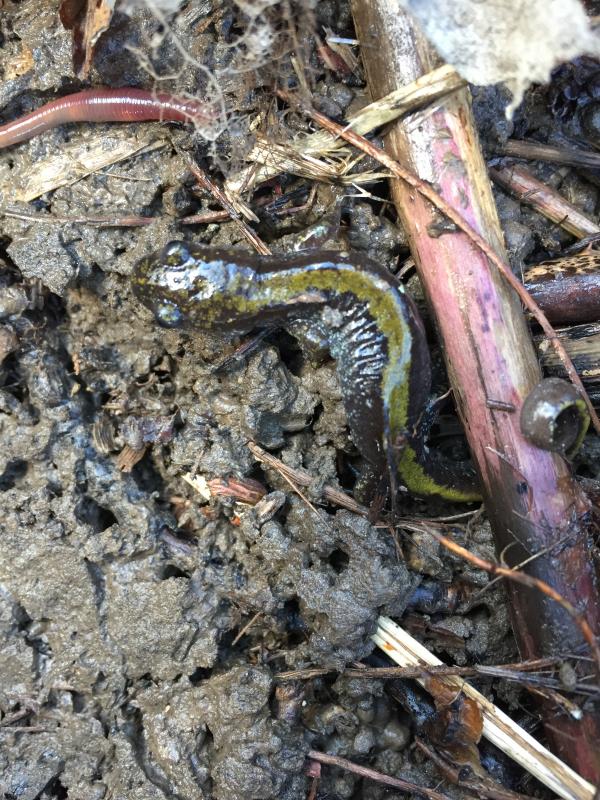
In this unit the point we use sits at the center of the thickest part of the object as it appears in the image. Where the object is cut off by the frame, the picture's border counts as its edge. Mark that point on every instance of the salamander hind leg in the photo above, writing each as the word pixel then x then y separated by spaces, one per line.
pixel 428 472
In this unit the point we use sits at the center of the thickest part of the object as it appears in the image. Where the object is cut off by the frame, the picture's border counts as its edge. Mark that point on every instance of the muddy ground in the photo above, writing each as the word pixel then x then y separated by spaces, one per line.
pixel 142 629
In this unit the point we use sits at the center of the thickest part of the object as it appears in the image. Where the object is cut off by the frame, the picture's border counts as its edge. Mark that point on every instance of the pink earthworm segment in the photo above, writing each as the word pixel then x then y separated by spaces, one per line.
pixel 104 105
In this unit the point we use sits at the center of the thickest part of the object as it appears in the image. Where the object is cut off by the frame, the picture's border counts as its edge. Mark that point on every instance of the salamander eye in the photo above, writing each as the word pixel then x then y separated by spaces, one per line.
pixel 168 314
pixel 175 254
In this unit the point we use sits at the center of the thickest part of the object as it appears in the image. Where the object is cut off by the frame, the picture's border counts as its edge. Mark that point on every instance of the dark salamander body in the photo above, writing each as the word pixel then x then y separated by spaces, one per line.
pixel 348 302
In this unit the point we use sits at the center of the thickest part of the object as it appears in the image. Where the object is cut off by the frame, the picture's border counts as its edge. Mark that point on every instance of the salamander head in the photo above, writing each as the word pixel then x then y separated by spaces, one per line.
pixel 183 284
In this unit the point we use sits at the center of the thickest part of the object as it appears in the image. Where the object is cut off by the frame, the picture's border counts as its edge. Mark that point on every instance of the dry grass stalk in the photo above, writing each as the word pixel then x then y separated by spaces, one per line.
pixel 301 478
pixel 374 775
pixel 306 155
pixel 210 186
pixel 74 161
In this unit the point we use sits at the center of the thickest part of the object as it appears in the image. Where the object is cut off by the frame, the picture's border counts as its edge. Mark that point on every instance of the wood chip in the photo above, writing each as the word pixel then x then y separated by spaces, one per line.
pixel 72 162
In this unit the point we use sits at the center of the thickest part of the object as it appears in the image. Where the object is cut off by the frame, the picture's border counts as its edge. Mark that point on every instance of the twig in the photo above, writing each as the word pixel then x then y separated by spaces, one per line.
pixel 108 221
pixel 478 787
pixel 31 729
pixel 517 180
pixel 582 244
pixel 302 478
pixel 563 703
pixel 583 345
pixel 372 774
pixel 534 151
pixel 526 580
pixel 114 221
pixel 246 628
pixel 567 289
pixel 517 673
pixel 9 719
pixel 530 495
pixel 438 202
pixel 313 771
pixel 206 183
pixel 300 494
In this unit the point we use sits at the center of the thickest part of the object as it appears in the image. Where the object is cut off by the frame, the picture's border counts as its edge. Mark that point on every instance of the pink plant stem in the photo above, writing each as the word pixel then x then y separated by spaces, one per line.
pixel 534 505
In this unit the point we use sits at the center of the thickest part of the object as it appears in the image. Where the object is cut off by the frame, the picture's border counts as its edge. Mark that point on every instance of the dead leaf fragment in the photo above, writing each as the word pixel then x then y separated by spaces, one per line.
pixel 19 65
pixel 87 19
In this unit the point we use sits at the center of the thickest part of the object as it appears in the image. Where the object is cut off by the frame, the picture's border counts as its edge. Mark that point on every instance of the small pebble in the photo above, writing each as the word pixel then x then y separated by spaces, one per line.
pixel 394 736
pixel 8 341
pixel 13 301
pixel 364 741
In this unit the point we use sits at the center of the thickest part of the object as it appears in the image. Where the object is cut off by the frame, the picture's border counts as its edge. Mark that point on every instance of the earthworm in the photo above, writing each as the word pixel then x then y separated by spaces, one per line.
pixel 104 105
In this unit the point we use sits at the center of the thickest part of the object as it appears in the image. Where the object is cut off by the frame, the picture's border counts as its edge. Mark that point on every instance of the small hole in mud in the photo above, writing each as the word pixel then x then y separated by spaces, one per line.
pixel 295 639
pixel 348 469
pixel 91 513
pixel 209 741
pixel 479 613
pixel 171 571
pixel 291 607
pixel 146 476
pixel 585 471
pixel 39 644
pixel 12 380
pixel 54 307
pixel 199 674
pixel 78 701
pixel 21 617
pixel 339 560
pixel 289 350
pixel 294 623
pixel 99 683
pixel 256 473
pixel 15 470
pixel 55 789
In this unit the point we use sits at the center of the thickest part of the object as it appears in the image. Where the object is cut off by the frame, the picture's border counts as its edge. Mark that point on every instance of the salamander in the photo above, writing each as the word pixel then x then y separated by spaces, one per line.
pixel 354 306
